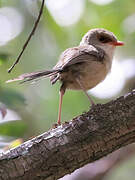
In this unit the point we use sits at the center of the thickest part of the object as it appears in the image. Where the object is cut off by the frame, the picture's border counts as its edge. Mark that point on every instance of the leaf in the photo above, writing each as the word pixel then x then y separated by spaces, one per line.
pixel 11 97
pixel 13 144
pixel 15 128
pixel 3 58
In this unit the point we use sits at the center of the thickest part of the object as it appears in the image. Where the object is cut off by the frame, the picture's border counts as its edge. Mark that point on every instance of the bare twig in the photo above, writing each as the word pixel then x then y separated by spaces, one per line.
pixel 27 41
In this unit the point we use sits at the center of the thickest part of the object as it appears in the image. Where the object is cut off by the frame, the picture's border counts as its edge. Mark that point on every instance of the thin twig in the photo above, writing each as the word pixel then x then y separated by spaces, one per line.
pixel 27 41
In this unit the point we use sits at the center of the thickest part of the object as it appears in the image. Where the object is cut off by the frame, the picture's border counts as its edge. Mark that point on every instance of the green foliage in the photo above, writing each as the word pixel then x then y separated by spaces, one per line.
pixel 3 58
pixel 12 128
pixel 11 98
pixel 49 40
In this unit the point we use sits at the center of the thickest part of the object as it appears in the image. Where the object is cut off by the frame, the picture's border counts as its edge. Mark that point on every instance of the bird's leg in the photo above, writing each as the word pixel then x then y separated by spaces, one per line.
pixel 62 92
pixel 82 88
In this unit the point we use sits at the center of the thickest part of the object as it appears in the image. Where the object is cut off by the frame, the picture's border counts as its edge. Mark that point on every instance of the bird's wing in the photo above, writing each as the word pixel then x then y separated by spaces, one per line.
pixel 79 55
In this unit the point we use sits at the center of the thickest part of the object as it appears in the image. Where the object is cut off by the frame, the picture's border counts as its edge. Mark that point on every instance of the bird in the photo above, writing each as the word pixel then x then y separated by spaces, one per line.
pixel 81 67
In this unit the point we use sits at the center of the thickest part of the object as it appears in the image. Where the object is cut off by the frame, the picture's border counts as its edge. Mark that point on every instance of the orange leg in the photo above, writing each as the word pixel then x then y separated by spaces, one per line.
pixel 62 92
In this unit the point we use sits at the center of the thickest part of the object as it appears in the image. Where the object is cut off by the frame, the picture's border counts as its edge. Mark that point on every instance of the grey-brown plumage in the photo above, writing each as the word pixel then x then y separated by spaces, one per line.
pixel 81 67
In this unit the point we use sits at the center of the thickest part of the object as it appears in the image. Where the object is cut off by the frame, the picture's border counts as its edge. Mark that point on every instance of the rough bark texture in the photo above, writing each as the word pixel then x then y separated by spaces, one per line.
pixel 88 137
pixel 103 168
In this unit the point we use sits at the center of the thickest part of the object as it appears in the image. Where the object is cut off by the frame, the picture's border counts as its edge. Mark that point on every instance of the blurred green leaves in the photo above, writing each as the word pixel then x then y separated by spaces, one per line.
pixel 3 58
pixel 12 128
pixel 11 98
pixel 49 40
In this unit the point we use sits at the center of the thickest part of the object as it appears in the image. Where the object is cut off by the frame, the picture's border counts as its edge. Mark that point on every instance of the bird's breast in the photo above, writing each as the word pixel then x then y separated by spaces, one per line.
pixel 94 73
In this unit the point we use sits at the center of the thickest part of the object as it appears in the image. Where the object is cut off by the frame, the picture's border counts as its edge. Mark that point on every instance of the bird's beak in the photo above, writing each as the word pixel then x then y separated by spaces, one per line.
pixel 118 43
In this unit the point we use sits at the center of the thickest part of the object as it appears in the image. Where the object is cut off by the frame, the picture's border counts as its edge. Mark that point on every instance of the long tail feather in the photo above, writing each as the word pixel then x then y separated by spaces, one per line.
pixel 34 76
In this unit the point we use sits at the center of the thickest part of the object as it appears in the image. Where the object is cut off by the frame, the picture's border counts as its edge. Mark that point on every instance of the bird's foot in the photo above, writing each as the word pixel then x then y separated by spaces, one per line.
pixel 55 125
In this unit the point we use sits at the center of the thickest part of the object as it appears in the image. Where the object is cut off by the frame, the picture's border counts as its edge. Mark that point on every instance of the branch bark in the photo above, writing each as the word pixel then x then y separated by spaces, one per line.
pixel 88 137
pixel 100 169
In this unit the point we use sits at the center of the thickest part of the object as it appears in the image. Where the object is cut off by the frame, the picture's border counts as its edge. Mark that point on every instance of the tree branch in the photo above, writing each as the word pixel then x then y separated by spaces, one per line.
pixel 100 169
pixel 88 137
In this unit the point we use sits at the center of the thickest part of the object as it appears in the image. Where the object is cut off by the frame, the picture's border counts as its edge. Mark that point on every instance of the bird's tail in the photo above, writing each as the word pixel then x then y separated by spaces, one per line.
pixel 34 76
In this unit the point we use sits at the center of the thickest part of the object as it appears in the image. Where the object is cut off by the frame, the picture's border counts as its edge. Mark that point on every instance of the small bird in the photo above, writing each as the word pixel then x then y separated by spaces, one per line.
pixel 81 67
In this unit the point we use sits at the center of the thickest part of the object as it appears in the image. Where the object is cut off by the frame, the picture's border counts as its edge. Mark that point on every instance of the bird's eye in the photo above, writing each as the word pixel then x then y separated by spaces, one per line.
pixel 104 39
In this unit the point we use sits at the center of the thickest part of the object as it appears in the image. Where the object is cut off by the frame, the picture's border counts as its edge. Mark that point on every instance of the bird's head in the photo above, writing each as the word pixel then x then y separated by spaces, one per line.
pixel 102 38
